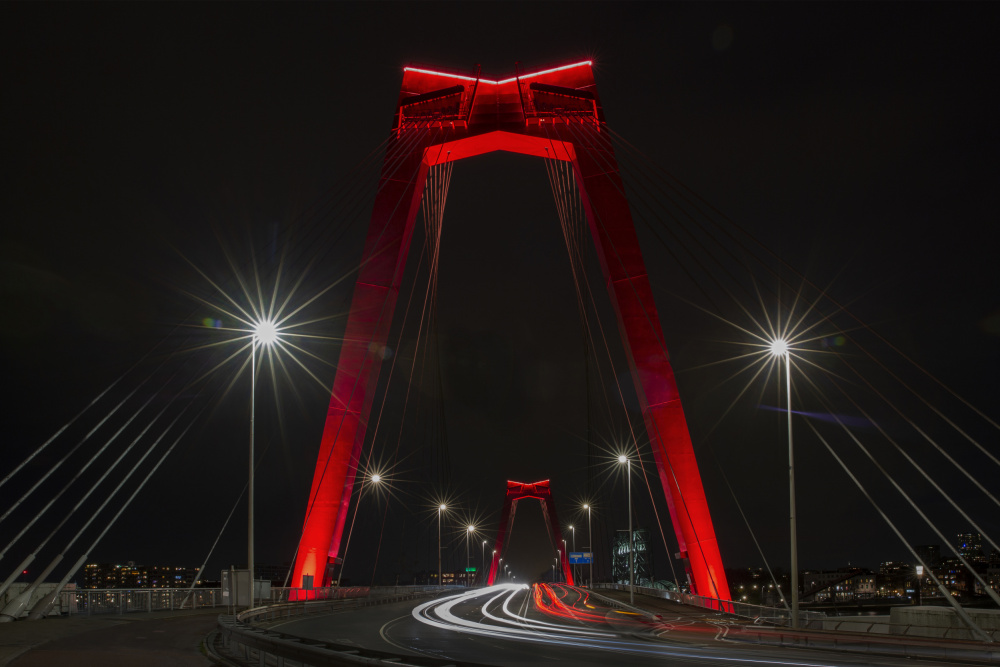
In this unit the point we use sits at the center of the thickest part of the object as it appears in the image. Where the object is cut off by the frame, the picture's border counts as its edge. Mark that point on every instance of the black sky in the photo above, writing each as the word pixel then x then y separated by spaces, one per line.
pixel 858 141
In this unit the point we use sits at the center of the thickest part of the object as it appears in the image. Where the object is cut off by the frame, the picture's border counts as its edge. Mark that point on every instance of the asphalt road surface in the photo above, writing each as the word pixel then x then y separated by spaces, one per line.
pixel 517 625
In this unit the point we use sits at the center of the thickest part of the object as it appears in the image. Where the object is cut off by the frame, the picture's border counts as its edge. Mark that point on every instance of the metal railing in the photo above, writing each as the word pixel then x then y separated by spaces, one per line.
pixel 89 601
pixel 241 638
pixel 755 612
pixel 279 595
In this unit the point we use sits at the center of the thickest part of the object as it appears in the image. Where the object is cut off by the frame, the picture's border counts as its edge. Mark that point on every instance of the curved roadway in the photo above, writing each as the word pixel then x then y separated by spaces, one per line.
pixel 517 625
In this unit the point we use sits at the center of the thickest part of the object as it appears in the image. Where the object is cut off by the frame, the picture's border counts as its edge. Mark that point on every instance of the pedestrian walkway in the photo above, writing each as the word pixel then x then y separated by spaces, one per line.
pixel 158 639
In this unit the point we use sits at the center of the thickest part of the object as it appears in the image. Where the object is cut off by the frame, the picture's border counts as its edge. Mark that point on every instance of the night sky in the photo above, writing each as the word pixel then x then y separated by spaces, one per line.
pixel 859 142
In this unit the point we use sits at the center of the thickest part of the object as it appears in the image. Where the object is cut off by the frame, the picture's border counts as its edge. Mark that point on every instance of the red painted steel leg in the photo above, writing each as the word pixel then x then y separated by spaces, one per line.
pixel 621 259
pixel 361 354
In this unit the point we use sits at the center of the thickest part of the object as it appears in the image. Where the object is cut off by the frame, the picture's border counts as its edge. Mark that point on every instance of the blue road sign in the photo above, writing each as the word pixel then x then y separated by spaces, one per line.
pixel 580 557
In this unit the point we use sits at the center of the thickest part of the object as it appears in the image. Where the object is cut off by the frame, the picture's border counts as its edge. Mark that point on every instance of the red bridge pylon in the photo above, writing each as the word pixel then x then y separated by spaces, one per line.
pixel 554 114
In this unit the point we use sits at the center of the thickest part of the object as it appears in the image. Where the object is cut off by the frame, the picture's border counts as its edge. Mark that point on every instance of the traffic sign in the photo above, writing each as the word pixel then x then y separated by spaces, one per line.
pixel 580 557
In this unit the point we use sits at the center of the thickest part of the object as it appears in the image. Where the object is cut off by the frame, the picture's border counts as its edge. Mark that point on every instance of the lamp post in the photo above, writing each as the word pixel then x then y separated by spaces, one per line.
pixel 468 533
pixel 376 479
pixel 779 349
pixel 482 564
pixel 590 547
pixel 441 508
pixel 265 333
pixel 631 555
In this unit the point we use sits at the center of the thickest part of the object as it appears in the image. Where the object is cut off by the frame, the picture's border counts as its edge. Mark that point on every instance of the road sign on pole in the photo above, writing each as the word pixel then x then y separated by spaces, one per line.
pixel 580 557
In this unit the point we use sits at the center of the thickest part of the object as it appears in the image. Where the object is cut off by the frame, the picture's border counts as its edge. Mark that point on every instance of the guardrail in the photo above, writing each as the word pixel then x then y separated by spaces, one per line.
pixel 91 601
pixel 239 639
pixel 338 592
pixel 775 615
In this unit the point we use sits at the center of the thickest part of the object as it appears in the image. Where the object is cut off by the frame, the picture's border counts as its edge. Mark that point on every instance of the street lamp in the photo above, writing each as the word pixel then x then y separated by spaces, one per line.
pixel 266 333
pixel 631 555
pixel 779 349
pixel 590 548
pixel 375 479
pixel 468 533
pixel 441 508
pixel 482 564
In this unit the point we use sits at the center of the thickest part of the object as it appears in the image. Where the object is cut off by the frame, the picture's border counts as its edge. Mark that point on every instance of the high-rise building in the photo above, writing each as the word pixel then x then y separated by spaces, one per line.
pixel 970 545
pixel 929 553
pixel 643 557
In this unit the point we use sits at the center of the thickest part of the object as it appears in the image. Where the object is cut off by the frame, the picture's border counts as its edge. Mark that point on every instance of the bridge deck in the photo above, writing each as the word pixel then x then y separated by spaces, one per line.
pixel 158 639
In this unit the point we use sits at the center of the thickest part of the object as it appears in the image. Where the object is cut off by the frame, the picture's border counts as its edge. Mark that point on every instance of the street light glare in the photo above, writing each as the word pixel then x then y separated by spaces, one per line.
pixel 471 528
pixel 265 332
pixel 779 347
pixel 376 478
pixel 443 507
pixel 622 458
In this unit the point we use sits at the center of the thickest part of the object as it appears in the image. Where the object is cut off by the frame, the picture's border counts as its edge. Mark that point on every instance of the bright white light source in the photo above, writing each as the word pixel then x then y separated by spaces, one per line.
pixel 779 347
pixel 443 507
pixel 471 528
pixel 376 478
pixel 265 332
pixel 622 459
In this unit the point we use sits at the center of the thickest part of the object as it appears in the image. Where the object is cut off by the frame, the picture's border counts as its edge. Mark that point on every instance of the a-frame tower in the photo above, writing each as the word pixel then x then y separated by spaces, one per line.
pixel 552 114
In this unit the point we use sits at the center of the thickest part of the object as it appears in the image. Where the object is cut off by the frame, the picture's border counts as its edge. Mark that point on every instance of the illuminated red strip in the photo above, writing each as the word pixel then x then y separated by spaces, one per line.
pixel 547 71
pixel 450 76
pixel 496 83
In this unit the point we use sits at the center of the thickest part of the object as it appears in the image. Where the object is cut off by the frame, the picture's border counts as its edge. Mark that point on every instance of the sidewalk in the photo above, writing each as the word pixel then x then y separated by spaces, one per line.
pixel 157 639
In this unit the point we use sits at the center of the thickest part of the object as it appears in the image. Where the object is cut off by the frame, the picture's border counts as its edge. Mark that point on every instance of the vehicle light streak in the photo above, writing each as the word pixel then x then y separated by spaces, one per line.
pixel 559 609
pixel 439 614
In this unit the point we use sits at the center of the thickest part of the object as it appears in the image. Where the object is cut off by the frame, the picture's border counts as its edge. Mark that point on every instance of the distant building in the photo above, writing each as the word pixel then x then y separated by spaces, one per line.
pixel 952 574
pixel 993 572
pixel 970 545
pixel 643 557
pixel 841 585
pixel 130 575
pixel 895 579
pixel 929 553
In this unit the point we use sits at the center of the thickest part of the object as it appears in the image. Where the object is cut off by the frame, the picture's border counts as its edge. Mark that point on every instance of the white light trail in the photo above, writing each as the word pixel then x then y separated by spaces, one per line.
pixel 438 613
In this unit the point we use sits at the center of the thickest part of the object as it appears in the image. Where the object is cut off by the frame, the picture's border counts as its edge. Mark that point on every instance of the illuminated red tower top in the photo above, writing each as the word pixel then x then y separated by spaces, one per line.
pixel 472 105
